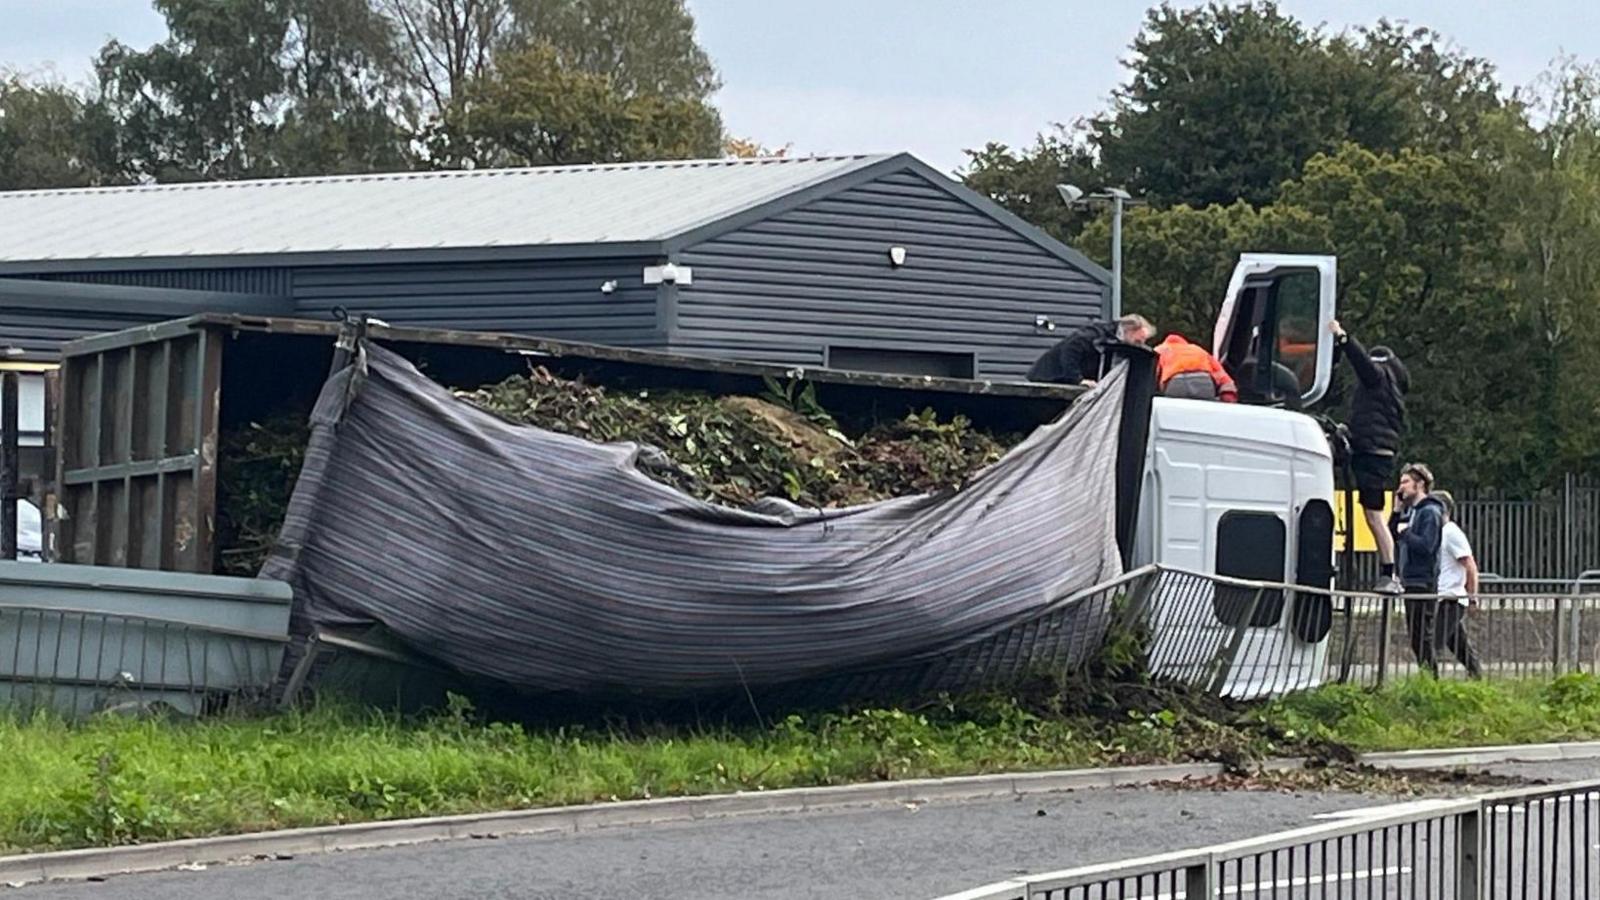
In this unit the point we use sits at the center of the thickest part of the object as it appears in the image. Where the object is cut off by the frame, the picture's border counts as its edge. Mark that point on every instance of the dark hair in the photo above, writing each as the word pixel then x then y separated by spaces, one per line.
pixel 1389 361
pixel 1420 473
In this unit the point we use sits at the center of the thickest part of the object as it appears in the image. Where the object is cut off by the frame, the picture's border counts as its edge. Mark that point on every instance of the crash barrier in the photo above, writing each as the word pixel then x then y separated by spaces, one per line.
pixel 82 639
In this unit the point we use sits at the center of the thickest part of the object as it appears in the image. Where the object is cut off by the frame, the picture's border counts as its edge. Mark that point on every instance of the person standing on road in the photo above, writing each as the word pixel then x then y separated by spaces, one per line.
pixel 1458 585
pixel 1377 419
pixel 1080 357
pixel 1418 530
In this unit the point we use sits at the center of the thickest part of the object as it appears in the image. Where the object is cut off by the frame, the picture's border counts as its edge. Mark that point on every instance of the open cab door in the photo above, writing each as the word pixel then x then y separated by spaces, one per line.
pixel 1272 333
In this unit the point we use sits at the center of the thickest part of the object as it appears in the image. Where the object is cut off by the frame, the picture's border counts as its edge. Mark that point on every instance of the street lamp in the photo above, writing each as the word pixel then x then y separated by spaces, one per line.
pixel 1074 197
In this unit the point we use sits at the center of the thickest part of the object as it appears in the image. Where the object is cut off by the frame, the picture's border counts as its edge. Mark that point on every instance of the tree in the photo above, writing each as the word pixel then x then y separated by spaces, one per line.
pixel 1228 102
pixel 533 110
pixel 1417 237
pixel 642 46
pixel 1548 196
pixel 1224 103
pixel 246 88
pixel 51 137
pixel 445 44
pixel 1025 182
pixel 749 148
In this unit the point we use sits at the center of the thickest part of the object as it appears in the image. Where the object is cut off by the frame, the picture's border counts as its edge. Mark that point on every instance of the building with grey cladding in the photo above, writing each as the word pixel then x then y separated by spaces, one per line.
pixel 877 263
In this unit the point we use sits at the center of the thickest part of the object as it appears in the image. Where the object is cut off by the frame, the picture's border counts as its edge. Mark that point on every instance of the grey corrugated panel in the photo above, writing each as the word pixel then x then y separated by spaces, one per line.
pixel 38 316
pixel 757 242
pixel 809 278
pixel 556 205
pixel 244 280
pixel 729 302
pixel 962 325
pixel 924 263
pixel 933 342
pixel 732 348
pixel 833 277
pixel 558 299
pixel 398 273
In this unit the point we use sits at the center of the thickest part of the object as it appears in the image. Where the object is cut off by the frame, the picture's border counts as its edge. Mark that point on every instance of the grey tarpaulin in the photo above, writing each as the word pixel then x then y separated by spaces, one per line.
pixel 550 563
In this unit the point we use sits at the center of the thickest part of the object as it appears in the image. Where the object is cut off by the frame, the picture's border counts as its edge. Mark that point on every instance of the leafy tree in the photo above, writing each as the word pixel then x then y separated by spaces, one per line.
pixel 50 136
pixel 444 44
pixel 1025 182
pixel 748 148
pixel 642 46
pixel 534 110
pixel 1229 102
pixel 1548 197
pixel 245 88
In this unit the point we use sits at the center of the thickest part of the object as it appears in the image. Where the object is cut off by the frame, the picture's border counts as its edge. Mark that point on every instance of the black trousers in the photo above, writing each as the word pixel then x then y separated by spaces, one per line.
pixel 1435 624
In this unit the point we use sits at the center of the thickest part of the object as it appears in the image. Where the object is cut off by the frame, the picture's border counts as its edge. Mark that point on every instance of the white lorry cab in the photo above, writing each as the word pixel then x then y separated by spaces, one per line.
pixel 1246 490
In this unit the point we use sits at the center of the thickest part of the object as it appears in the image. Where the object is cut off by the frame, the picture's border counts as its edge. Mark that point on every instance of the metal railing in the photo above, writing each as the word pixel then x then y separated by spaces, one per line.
pixel 81 661
pixel 1243 639
pixel 1535 843
pixel 1555 534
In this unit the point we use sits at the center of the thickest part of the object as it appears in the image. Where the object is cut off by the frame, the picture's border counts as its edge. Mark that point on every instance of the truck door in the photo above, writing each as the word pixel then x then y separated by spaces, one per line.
pixel 1272 333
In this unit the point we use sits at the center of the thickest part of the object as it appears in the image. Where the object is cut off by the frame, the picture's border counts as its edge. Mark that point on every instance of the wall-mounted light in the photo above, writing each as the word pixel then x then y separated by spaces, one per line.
pixel 897 256
pixel 609 286
pixel 668 273
pixel 1044 323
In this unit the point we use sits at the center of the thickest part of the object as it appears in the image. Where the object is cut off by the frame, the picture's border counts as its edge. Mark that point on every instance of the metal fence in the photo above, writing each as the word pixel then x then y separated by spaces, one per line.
pixel 81 661
pixel 1553 536
pixel 1524 843
pixel 1247 639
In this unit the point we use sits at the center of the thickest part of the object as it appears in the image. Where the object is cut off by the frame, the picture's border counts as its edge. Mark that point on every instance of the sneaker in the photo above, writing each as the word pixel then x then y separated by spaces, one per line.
pixel 1389 584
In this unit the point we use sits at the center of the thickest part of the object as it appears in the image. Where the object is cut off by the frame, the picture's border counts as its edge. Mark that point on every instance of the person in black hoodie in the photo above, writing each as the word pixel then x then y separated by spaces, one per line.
pixel 1418 528
pixel 1377 419
pixel 1080 357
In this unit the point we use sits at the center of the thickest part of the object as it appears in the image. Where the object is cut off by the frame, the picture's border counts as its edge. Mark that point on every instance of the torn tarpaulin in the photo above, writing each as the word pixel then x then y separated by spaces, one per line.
pixel 551 563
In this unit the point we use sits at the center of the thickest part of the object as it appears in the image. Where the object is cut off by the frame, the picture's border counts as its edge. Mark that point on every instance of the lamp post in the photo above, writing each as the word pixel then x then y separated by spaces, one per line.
pixel 1118 198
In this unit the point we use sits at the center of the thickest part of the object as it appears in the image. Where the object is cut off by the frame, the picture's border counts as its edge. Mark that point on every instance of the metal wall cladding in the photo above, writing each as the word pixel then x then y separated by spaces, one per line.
pixel 816 285
pixel 139 462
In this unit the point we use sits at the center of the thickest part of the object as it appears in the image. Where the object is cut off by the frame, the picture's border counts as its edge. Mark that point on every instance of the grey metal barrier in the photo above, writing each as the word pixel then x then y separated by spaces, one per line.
pixel 77 661
pixel 1515 844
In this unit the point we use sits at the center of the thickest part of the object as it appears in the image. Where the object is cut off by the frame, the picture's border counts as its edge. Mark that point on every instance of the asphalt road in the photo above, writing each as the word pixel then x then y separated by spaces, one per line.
pixel 897 852
pixel 868 853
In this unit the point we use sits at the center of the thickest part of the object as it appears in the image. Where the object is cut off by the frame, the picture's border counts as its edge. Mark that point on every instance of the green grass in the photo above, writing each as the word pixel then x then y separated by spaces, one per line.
pixel 1422 712
pixel 116 780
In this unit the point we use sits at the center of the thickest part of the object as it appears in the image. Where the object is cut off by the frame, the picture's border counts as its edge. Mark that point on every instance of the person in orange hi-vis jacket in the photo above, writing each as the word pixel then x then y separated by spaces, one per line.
pixel 1191 372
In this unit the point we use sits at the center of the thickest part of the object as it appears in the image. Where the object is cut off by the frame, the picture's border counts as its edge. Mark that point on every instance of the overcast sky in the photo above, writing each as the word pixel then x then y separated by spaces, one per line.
pixel 931 76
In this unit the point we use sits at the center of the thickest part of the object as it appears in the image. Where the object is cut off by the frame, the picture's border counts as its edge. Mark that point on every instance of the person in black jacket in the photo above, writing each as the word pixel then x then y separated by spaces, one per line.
pixel 1418 526
pixel 1080 358
pixel 1377 419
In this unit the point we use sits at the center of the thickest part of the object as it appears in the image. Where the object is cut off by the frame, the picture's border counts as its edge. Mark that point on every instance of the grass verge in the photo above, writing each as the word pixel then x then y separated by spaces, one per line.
pixel 118 780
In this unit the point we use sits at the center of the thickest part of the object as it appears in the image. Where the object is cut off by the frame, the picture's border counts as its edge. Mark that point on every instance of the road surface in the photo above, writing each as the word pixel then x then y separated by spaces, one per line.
pixel 898 852
pixel 882 853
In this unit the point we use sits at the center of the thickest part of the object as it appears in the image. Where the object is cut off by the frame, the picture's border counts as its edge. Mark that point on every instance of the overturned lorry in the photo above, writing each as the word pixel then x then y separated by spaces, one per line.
pixel 555 565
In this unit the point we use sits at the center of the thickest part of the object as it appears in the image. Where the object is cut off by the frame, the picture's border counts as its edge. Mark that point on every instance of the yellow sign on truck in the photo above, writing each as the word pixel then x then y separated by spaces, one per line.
pixel 1365 542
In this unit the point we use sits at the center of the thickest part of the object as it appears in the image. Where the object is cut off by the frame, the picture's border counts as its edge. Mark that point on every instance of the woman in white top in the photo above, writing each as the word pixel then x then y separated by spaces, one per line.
pixel 1458 584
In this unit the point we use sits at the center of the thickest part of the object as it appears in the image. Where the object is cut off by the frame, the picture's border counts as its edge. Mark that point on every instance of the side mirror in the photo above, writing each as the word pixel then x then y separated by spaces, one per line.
pixel 1272 333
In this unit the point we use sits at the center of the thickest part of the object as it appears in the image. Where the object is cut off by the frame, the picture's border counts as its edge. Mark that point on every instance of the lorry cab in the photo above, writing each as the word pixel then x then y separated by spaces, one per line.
pixel 1246 490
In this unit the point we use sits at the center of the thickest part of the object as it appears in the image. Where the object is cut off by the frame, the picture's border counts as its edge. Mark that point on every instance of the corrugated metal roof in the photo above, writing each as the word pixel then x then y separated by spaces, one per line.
pixel 626 203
